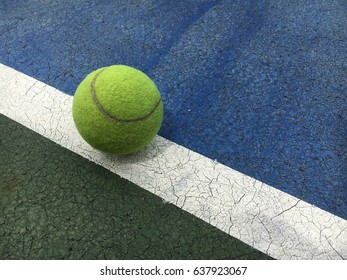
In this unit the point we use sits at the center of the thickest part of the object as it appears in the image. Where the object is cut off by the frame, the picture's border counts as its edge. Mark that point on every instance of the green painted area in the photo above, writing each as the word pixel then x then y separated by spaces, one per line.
pixel 55 204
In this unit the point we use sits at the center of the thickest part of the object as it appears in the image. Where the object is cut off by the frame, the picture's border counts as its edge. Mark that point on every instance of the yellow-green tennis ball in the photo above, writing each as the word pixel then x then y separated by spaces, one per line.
pixel 117 109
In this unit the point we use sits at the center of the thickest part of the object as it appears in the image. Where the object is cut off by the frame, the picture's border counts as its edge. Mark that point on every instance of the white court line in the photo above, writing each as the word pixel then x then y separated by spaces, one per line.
pixel 270 220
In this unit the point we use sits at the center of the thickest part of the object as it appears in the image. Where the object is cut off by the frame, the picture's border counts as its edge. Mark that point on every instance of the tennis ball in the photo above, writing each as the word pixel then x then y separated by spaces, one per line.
pixel 117 109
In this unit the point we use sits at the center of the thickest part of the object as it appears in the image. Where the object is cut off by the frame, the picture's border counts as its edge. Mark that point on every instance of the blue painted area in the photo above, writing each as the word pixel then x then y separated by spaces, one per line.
pixel 258 85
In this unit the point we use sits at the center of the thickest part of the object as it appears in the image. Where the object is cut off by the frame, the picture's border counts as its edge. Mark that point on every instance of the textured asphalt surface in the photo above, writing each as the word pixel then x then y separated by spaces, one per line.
pixel 259 86
pixel 55 204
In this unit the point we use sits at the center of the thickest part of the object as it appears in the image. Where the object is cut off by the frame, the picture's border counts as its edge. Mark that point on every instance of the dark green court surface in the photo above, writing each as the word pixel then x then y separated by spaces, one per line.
pixel 55 204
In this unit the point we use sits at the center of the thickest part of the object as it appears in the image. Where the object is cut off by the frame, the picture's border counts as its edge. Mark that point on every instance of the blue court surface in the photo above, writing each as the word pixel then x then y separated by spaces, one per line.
pixel 258 86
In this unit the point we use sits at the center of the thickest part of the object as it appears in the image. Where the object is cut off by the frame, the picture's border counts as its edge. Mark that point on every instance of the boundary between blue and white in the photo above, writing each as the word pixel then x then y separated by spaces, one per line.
pixel 268 219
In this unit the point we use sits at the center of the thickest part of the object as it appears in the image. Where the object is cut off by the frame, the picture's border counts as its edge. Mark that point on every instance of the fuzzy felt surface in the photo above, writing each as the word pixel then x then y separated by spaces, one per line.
pixel 117 109
pixel 260 86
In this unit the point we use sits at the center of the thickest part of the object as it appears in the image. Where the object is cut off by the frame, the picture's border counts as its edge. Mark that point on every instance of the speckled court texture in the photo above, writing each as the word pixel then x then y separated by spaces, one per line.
pixel 258 86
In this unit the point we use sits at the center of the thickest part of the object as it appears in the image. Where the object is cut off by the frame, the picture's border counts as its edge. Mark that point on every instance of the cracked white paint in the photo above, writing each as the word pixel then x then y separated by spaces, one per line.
pixel 270 220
